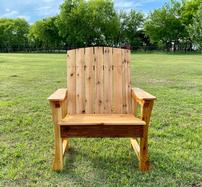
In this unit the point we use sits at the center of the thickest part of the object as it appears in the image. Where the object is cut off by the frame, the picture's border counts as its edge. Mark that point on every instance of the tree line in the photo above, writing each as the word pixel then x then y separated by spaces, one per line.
pixel 177 26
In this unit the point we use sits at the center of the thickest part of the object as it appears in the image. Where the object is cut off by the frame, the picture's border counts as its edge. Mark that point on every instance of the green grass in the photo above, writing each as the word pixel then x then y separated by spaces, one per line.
pixel 26 129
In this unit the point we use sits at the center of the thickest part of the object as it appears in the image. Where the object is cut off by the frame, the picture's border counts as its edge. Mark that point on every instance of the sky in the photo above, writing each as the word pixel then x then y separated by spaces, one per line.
pixel 33 10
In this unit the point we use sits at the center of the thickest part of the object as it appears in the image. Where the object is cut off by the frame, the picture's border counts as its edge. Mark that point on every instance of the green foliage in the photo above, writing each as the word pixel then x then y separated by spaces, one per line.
pixel 195 30
pixel 90 22
pixel 130 24
pixel 27 130
pixel 96 22
pixel 45 33
pixel 189 10
pixel 169 24
pixel 164 25
pixel 13 33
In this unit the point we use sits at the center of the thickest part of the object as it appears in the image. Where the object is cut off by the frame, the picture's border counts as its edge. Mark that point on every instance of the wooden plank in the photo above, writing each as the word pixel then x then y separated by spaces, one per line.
pixel 80 81
pixel 117 80
pixel 124 80
pixel 58 95
pixel 101 119
pixel 58 157
pixel 136 147
pixel 107 80
pixel 65 145
pixel 99 73
pixel 142 95
pixel 71 81
pixel 102 131
pixel 145 115
pixel 129 82
pixel 89 81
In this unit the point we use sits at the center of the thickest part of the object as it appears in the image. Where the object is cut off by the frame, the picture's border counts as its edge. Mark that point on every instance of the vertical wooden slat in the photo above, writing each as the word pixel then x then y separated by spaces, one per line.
pixel 107 80
pixel 71 81
pixel 89 81
pixel 117 80
pixel 80 83
pixel 124 81
pixel 110 58
pixel 129 87
pixel 99 106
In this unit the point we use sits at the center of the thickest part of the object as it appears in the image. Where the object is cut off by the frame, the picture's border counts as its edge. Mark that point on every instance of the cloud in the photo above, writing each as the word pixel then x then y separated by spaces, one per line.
pixel 48 1
pixel 43 8
pixel 14 14
pixel 46 11
pixel 141 5
pixel 33 10
pixel 9 14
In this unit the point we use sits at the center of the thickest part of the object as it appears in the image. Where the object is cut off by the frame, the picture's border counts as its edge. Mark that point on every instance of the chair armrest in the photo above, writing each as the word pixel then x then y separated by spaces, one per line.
pixel 58 95
pixel 141 95
pixel 58 103
pixel 146 101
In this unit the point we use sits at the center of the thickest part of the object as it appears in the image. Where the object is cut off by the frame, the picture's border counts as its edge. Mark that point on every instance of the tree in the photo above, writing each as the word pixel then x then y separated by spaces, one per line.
pixel 164 25
pixel 44 33
pixel 195 30
pixel 130 25
pixel 189 10
pixel 92 22
pixel 13 33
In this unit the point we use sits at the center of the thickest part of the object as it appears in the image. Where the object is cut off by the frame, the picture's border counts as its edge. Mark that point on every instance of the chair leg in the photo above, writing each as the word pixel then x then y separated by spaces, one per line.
pixel 65 145
pixel 144 157
pixel 58 160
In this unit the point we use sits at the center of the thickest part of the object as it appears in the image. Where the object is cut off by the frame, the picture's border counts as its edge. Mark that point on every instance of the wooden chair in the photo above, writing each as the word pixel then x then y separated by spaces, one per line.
pixel 100 102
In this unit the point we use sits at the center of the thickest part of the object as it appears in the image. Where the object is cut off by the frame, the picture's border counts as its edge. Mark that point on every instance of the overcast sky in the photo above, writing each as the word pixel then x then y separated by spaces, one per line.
pixel 33 10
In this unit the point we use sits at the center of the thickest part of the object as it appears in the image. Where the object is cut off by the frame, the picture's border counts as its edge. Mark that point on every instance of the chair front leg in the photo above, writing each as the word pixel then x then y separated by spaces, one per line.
pixel 60 143
pixel 58 159
pixel 145 116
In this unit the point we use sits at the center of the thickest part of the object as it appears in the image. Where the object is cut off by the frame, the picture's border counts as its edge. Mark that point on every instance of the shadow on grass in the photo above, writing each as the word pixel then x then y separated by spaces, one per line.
pixel 87 169
pixel 97 168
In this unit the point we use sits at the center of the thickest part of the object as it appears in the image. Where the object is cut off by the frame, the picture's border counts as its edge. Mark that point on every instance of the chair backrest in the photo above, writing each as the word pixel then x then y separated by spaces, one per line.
pixel 99 80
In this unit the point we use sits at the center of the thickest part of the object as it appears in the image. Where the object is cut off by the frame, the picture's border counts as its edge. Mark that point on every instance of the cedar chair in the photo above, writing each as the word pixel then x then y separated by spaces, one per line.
pixel 100 102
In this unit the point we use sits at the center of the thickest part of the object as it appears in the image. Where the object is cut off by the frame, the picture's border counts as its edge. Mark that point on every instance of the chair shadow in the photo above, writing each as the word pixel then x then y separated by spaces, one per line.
pixel 103 165
pixel 117 165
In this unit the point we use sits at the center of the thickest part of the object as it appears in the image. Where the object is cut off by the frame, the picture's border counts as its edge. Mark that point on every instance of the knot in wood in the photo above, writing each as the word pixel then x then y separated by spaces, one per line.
pixel 57 104
pixel 84 67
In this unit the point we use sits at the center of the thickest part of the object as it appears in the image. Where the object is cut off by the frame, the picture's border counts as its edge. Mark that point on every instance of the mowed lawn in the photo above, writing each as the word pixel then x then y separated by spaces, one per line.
pixel 26 128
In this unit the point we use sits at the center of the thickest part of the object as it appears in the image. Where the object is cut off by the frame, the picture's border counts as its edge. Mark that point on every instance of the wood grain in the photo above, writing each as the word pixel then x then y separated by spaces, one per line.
pixel 101 119
pixel 80 81
pixel 117 61
pixel 102 131
pixel 89 81
pixel 71 81
pixel 99 80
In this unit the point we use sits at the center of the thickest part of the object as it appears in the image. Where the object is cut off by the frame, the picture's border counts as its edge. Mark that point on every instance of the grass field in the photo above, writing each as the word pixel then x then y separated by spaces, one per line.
pixel 26 129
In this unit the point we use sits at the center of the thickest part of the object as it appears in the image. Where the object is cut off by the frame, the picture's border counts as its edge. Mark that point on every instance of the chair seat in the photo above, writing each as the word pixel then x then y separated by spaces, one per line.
pixel 101 125
pixel 101 119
